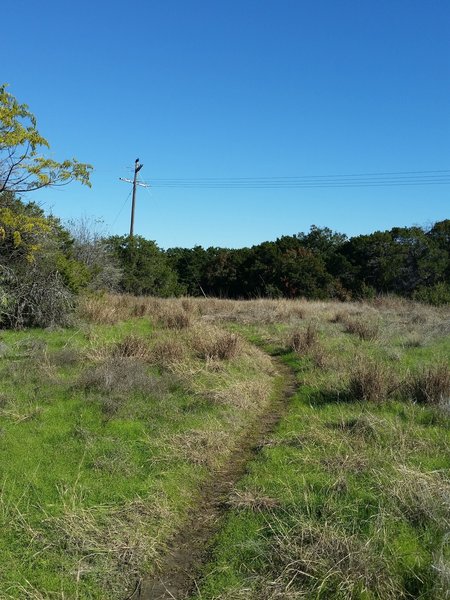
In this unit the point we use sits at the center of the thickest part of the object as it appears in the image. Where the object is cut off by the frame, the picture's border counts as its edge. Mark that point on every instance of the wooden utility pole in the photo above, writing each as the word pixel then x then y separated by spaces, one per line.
pixel 137 168
pixel 135 182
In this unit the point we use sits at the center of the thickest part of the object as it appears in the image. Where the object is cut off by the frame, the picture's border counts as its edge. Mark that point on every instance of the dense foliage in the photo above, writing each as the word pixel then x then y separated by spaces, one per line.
pixel 43 266
pixel 410 261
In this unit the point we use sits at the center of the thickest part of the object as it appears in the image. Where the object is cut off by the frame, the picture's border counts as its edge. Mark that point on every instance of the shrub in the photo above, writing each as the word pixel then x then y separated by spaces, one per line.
pixel 115 375
pixel 33 297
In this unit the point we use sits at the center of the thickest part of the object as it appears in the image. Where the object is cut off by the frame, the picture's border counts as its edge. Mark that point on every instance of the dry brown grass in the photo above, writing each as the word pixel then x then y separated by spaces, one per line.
pixel 252 500
pixel 103 310
pixel 211 344
pixel 370 381
pixel 131 346
pixel 168 352
pixel 431 385
pixel 364 329
pixel 301 341
pixel 175 319
pixel 110 543
pixel 244 395
pixel 319 560
pixel 201 447
pixel 422 497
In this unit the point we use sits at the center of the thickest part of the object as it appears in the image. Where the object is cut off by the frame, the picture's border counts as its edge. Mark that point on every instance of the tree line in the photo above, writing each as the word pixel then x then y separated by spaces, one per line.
pixel 45 265
pixel 409 261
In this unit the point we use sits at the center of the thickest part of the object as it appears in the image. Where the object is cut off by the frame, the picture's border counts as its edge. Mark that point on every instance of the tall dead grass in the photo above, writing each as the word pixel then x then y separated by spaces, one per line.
pixel 212 344
pixel 431 385
pixel 371 381
pixel 312 560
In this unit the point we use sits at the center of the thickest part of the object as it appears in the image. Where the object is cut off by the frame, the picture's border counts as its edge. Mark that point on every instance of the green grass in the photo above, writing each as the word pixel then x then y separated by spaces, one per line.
pixel 108 431
pixel 356 492
pixel 97 473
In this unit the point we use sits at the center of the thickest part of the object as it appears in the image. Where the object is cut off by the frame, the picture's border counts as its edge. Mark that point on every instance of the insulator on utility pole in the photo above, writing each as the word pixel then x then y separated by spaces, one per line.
pixel 135 182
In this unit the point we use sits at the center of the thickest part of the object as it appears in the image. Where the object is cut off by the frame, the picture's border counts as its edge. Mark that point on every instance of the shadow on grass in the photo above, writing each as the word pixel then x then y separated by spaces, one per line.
pixel 324 397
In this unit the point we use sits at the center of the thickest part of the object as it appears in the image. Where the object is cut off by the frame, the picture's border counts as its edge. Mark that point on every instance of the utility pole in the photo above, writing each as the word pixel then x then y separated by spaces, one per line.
pixel 135 182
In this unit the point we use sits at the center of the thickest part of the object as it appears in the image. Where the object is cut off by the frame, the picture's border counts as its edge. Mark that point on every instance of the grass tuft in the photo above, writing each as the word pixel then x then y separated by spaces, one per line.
pixel 216 345
pixel 431 385
pixel 370 381
pixel 132 346
pixel 304 340
pixel 364 329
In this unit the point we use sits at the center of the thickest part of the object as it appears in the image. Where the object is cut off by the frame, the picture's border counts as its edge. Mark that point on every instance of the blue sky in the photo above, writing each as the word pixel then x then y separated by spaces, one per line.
pixel 199 88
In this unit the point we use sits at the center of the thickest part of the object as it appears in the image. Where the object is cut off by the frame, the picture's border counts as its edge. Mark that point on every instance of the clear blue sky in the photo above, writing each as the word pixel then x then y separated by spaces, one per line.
pixel 241 88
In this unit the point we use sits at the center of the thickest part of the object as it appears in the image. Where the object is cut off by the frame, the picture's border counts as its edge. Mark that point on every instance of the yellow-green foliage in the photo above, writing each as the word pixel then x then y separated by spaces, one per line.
pixel 22 233
pixel 21 167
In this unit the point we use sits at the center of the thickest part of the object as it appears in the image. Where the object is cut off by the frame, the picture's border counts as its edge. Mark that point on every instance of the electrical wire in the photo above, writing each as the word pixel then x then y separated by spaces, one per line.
pixel 120 211
pixel 389 178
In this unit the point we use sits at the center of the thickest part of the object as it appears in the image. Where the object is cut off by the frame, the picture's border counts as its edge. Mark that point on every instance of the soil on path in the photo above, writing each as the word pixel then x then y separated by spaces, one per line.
pixel 190 548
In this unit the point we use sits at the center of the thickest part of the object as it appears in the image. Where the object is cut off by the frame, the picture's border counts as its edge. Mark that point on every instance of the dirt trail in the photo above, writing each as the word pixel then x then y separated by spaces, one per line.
pixel 190 547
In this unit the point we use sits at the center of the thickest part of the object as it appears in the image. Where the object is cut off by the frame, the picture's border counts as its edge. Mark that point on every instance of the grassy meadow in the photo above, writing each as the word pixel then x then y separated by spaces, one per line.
pixel 110 428
pixel 107 431
pixel 350 497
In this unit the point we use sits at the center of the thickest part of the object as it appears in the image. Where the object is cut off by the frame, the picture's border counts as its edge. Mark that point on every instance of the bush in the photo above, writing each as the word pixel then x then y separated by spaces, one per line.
pixel 90 250
pixel 35 267
pixel 33 298
pixel 437 295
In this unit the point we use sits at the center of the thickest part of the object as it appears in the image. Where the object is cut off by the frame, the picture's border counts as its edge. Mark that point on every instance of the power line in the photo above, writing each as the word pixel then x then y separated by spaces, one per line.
pixel 120 211
pixel 374 174
pixel 325 184
pixel 391 178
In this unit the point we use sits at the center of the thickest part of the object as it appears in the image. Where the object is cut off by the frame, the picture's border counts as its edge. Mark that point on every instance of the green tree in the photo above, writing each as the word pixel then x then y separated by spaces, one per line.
pixel 22 166
pixel 37 273
pixel 146 269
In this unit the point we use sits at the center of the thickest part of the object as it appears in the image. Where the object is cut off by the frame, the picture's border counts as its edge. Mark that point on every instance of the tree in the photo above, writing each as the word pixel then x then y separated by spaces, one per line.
pixel 90 248
pixel 37 274
pixel 22 167
pixel 146 269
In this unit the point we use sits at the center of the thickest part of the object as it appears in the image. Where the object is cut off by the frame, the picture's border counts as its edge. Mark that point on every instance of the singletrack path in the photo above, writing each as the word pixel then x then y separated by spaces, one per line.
pixel 190 548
